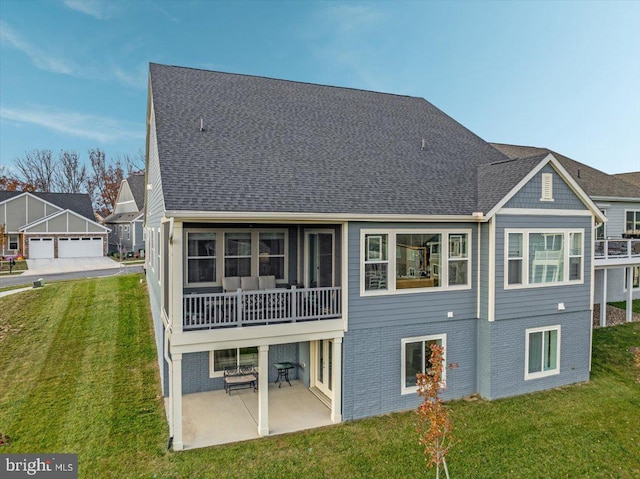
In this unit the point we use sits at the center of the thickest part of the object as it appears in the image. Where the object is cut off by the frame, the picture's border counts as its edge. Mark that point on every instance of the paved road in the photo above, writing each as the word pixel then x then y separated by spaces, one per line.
pixel 13 280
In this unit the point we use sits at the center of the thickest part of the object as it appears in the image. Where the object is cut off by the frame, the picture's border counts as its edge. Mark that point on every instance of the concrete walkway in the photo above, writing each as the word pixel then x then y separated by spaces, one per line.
pixel 14 291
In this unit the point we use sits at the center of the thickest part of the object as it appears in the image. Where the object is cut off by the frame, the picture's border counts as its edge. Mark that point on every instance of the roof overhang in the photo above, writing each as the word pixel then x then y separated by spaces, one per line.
pixel 279 217
pixel 615 198
pixel 59 213
pixel 575 187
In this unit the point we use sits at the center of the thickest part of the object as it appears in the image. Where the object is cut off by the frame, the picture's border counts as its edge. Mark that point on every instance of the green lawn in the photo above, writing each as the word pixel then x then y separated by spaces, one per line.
pixel 78 374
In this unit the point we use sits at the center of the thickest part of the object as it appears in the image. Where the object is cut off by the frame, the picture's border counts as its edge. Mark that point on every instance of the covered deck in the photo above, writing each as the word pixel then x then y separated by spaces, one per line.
pixel 616 253
pixel 215 417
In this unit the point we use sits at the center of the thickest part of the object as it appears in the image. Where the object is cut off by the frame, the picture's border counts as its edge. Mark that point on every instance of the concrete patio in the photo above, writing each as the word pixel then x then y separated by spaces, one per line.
pixel 215 417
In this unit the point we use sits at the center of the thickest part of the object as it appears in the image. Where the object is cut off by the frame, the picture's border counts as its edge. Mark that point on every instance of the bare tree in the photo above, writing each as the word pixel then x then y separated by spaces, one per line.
pixel 36 168
pixel 70 174
pixel 103 181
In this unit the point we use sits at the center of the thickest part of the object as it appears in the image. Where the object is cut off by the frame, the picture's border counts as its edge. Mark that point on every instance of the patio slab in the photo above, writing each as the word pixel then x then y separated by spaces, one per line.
pixel 215 417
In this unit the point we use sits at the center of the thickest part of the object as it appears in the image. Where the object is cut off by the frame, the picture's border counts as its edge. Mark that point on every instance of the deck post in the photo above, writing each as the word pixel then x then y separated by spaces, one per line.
pixel 176 295
pixel 603 303
pixel 294 303
pixel 336 386
pixel 629 272
pixel 176 400
pixel 263 390
pixel 239 306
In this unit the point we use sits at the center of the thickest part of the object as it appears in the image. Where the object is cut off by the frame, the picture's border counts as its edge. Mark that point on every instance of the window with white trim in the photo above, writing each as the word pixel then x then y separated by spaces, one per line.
pixel 232 358
pixel 127 232
pixel 404 261
pixel 415 356
pixel 632 223
pixel 13 242
pixel 376 261
pixel 542 352
pixel 271 253
pixel 212 254
pixel 201 257
pixel 543 257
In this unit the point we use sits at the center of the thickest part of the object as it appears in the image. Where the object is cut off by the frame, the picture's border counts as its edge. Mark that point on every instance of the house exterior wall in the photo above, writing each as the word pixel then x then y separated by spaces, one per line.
pixel 615 213
pixel 530 194
pixel 126 202
pixel 21 210
pixel 35 209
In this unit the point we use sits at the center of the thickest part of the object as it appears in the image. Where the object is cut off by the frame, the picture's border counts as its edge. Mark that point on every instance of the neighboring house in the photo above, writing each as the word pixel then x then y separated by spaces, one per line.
pixel 617 241
pixel 127 234
pixel 50 225
pixel 345 231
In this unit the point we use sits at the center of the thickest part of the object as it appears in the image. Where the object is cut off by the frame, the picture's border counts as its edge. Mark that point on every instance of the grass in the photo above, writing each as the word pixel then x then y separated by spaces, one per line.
pixel 635 305
pixel 19 267
pixel 78 374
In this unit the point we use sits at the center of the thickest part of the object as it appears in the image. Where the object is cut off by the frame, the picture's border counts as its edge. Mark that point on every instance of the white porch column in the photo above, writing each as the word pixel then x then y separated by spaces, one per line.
pixel 263 390
pixel 603 303
pixel 176 401
pixel 176 278
pixel 629 272
pixel 336 386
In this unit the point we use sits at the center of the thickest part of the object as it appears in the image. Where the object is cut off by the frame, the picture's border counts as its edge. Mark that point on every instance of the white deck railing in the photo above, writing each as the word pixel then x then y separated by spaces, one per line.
pixel 617 249
pixel 246 308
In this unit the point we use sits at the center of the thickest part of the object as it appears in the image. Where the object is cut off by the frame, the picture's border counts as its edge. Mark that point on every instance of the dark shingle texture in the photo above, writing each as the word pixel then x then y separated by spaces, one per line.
pixel 275 145
pixel 78 202
pixel 136 185
pixel 496 180
pixel 632 177
pixel 593 182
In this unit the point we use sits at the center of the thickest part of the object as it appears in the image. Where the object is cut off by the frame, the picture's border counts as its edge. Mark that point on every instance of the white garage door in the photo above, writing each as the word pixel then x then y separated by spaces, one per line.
pixel 40 248
pixel 79 247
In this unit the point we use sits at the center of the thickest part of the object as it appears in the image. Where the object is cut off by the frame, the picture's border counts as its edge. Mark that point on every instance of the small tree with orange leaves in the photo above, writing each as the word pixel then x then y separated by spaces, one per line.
pixel 434 425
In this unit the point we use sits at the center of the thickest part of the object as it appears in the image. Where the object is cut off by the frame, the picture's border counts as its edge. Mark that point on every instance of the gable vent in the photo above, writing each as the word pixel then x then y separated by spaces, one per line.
pixel 547 187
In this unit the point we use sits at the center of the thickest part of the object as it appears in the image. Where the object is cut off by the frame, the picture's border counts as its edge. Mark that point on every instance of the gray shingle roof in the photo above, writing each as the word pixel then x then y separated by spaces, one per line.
pixel 632 177
pixel 136 185
pixel 496 180
pixel 77 202
pixel 594 182
pixel 276 145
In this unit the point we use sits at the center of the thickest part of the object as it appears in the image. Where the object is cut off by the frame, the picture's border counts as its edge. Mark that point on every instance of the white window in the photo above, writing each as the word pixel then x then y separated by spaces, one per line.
pixel 632 223
pixel 543 257
pixel 542 352
pixel 376 262
pixel 547 187
pixel 415 356
pixel 231 358
pixel 127 232
pixel 151 248
pixel 120 229
pixel 13 242
pixel 201 257
pixel 405 261
pixel 272 254
pixel 237 254
pixel 212 254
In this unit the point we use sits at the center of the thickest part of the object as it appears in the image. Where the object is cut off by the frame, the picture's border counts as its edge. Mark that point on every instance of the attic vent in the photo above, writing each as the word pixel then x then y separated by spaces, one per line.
pixel 547 187
pixel 423 144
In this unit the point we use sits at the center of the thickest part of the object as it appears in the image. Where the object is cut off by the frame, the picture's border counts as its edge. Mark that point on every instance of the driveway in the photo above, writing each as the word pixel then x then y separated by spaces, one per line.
pixel 39 267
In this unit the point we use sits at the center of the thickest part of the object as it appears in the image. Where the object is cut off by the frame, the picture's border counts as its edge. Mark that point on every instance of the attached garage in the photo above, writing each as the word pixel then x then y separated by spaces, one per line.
pixel 81 247
pixel 40 248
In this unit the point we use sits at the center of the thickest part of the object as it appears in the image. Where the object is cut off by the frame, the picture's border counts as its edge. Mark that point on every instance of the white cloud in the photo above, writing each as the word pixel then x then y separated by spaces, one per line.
pixel 75 124
pixel 101 10
pixel 42 60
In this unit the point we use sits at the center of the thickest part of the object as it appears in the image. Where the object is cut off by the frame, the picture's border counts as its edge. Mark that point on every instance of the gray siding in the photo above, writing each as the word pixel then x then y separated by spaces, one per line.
pixel 502 357
pixel 372 376
pixel 195 368
pixel 515 303
pixel 529 195
pixel 126 202
pixel 615 212
pixel 407 308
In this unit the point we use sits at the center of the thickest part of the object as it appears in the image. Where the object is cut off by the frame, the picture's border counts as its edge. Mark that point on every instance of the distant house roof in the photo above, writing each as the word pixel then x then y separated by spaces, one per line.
pixel 632 177
pixel 272 145
pixel 77 202
pixel 594 182
pixel 136 185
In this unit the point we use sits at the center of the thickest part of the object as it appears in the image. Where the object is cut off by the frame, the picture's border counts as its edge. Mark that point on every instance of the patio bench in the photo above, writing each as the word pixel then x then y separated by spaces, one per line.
pixel 239 378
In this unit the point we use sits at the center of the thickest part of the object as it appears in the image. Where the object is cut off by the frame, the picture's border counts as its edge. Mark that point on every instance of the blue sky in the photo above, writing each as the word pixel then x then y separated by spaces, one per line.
pixel 563 75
